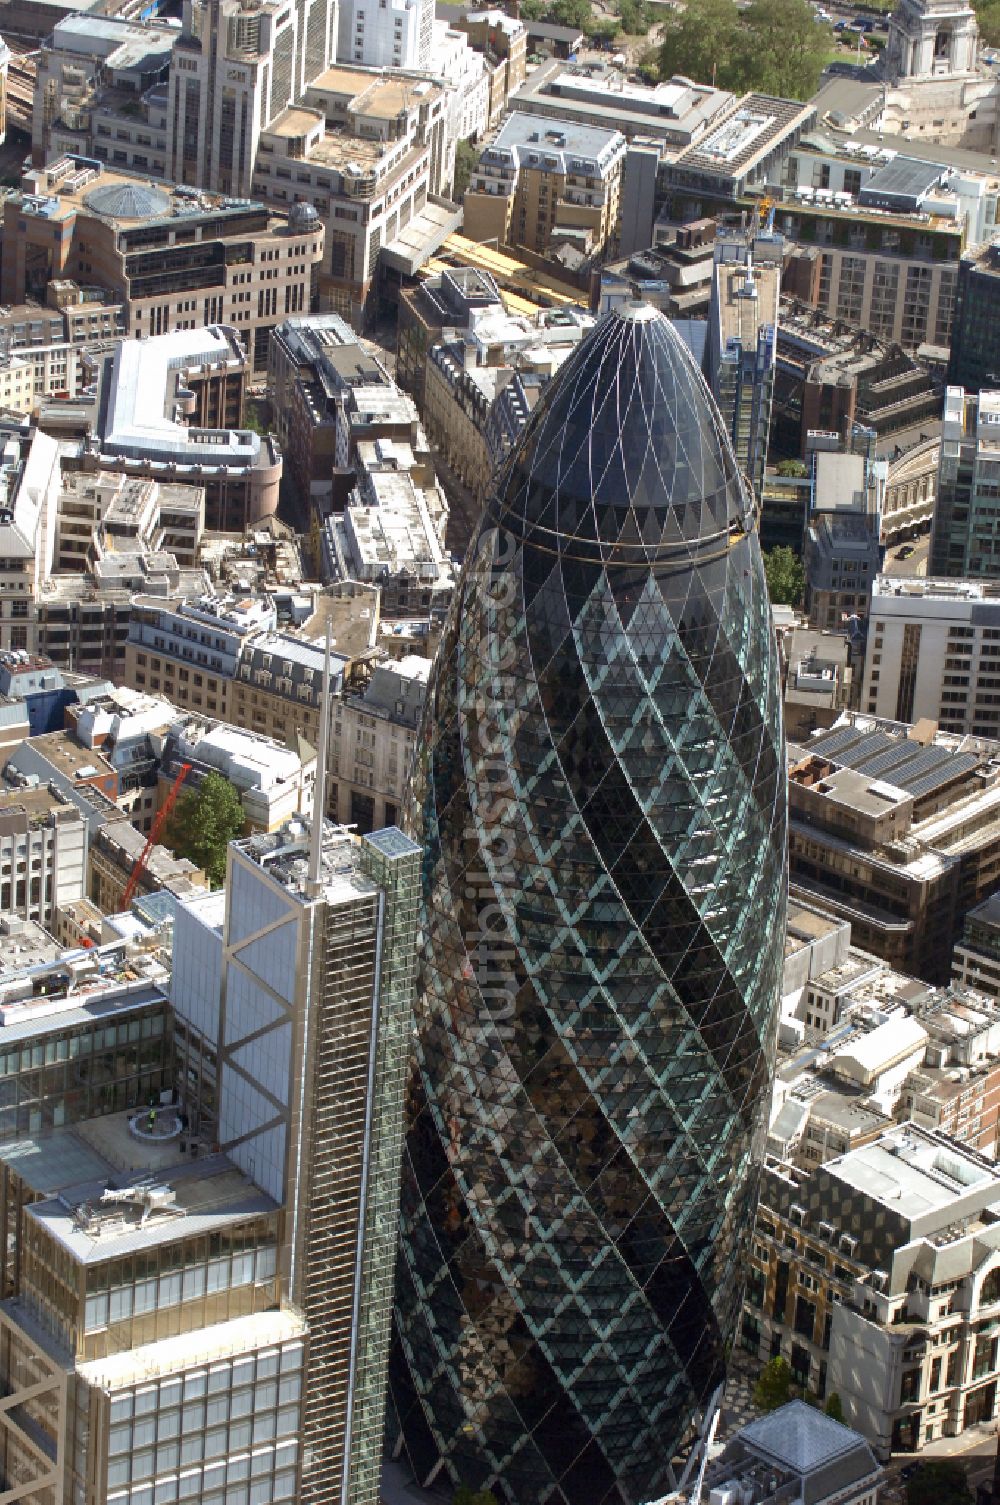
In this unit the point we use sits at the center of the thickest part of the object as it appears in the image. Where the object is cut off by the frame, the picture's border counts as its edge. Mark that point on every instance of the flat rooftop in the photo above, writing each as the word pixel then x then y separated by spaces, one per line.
pixel 285 855
pixel 69 758
pixel 75 184
pixel 525 134
pixel 907 763
pixel 380 95
pixel 915 1173
pixel 158 1197
pixel 746 136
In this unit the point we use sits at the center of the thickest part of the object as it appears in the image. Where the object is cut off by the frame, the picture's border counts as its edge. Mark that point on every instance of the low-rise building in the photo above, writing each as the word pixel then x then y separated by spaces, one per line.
pixel 274 781
pixel 170 408
pixel 817 682
pixel 933 653
pixel 975 960
pixel 543 183
pixel 43 852
pixel 239 263
pixel 877 1276
pixel 965 537
pixel 114 852
pixel 897 829
pixel 794 1453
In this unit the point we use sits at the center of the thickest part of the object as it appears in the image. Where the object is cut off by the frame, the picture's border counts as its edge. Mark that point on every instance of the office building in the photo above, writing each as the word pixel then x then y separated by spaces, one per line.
pixel 315 361
pixel 577 1100
pixel 189 650
pixel 719 169
pixel 101 1023
pixel 43 853
pixel 238 263
pixel 503 41
pixel 741 342
pixel 543 183
pixel 896 829
pixel 101 81
pixel 300 1079
pixel 171 407
pixel 975 347
pixel 274 781
pixel 965 537
pixel 842 557
pixel 675 113
pixel 830 377
pixel 235 69
pixel 397 35
pixel 931 650
pixel 975 959
pixel 875 1275
pixel 675 275
pixel 372 744
pixel 482 381
pixel 366 150
pixel 391 533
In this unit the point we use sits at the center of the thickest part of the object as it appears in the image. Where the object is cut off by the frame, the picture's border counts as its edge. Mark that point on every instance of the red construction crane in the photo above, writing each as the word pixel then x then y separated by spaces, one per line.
pixel 158 822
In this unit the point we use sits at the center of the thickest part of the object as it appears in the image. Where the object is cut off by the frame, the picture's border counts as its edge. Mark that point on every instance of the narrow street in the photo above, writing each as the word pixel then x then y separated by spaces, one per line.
pixel 463 514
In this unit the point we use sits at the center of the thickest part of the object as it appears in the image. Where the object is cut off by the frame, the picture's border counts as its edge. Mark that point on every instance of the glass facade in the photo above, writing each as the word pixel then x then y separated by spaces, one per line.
pixel 600 794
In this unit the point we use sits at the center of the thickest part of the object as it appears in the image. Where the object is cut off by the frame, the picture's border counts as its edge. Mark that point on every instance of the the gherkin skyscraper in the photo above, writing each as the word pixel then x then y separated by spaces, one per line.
pixel 601 798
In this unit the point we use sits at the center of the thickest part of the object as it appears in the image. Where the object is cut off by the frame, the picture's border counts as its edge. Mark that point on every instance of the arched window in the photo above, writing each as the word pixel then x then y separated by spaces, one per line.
pixel 990 1291
pixel 942 44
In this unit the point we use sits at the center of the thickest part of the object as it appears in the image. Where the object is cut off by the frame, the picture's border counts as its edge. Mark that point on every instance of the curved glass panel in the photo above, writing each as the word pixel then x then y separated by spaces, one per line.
pixel 601 799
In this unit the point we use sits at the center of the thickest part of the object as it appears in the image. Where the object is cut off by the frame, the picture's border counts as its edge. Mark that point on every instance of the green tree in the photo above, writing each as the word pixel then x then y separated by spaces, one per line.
pixel 466 157
pixel 774 1385
pixel 570 13
pixel 466 1496
pixel 988 16
pixel 532 10
pixel 648 65
pixel 939 1481
pixel 783 48
pixel 700 38
pixel 205 820
pixel 774 46
pixel 794 468
pixel 786 579
pixel 834 1407
pixel 635 16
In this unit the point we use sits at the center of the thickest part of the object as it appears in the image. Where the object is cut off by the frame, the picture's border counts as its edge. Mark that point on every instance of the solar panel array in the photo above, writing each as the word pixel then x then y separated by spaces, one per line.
pixel 908 765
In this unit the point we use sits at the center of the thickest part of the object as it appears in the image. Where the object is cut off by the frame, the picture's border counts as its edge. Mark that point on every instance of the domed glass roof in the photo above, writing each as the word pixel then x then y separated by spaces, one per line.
pixel 128 201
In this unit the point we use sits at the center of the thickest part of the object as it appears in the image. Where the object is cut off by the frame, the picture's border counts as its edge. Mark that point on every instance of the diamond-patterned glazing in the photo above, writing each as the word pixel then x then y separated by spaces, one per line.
pixel 601 801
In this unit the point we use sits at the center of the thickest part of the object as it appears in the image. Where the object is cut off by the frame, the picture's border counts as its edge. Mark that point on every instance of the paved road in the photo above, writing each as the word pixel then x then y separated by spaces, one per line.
pixel 916 564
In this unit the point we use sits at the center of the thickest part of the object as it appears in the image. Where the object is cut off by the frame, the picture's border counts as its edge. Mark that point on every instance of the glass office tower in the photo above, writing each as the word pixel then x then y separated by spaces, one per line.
pixel 601 798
